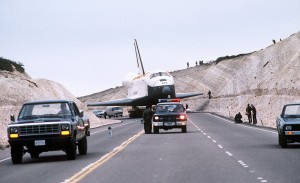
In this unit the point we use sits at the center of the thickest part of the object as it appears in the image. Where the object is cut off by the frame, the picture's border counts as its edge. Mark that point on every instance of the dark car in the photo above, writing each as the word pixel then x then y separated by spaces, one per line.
pixel 288 125
pixel 169 115
pixel 49 125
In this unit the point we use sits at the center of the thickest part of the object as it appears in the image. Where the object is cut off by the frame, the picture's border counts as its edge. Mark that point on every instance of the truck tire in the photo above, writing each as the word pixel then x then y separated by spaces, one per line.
pixel 34 154
pixel 16 153
pixel 155 130
pixel 71 150
pixel 82 146
pixel 183 129
pixel 282 141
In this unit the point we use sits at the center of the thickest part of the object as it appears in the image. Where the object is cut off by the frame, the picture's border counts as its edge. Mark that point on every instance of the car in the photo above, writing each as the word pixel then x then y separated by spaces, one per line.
pixel 169 114
pixel 114 111
pixel 288 124
pixel 99 113
pixel 49 125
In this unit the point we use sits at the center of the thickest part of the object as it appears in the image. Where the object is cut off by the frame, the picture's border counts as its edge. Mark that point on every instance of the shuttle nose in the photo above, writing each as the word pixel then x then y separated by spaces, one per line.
pixel 166 90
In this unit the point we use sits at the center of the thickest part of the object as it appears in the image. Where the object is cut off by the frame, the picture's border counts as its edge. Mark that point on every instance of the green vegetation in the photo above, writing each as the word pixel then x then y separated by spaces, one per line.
pixel 7 65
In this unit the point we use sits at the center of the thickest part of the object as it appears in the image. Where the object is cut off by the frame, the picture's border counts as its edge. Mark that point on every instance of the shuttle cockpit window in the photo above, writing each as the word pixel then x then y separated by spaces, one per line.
pixel 159 74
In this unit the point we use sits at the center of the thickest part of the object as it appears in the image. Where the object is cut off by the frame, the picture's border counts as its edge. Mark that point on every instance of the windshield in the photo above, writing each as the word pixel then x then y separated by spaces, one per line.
pixel 159 74
pixel 164 108
pixel 292 111
pixel 30 111
pixel 117 108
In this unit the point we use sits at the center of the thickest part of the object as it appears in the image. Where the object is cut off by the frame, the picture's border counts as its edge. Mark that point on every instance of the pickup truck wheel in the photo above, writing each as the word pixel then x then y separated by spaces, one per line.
pixel 82 146
pixel 34 154
pixel 155 130
pixel 183 129
pixel 16 153
pixel 71 150
pixel 282 141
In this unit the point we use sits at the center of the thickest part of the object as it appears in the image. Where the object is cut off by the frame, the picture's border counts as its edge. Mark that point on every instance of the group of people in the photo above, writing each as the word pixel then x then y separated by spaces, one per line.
pixel 250 112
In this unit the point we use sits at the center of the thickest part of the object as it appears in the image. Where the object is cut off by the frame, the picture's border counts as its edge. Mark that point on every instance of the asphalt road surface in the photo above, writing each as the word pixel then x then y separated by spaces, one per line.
pixel 214 149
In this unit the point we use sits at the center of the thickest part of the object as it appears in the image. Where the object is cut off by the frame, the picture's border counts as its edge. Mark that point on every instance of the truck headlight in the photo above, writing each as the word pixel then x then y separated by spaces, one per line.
pixel 156 118
pixel 65 129
pixel 13 130
pixel 288 128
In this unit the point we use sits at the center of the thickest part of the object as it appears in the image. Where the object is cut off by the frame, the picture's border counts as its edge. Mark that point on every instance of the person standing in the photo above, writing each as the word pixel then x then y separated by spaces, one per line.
pixel 147 117
pixel 209 94
pixel 248 113
pixel 104 114
pixel 254 119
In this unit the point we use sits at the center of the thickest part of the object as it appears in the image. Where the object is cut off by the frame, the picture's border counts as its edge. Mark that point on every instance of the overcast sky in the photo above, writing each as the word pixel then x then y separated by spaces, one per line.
pixel 88 45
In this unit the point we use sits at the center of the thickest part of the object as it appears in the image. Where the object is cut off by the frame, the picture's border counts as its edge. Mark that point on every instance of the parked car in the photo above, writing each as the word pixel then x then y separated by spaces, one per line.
pixel 99 113
pixel 288 125
pixel 114 111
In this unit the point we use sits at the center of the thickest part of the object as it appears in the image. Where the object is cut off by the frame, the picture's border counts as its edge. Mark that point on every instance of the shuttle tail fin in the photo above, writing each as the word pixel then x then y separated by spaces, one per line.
pixel 138 58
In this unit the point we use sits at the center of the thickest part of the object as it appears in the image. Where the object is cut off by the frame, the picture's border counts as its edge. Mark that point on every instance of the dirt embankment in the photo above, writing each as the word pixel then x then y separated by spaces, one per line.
pixel 268 79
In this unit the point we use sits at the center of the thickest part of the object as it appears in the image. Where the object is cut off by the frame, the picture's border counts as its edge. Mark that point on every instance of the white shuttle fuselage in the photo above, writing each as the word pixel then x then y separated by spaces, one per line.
pixel 153 84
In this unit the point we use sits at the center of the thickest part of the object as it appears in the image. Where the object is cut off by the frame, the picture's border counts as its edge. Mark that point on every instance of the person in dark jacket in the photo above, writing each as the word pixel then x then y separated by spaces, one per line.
pixel 147 117
pixel 238 118
pixel 248 113
pixel 254 119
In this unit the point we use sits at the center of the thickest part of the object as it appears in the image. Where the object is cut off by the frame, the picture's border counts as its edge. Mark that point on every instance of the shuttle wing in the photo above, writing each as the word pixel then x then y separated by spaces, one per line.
pixel 119 102
pixel 186 95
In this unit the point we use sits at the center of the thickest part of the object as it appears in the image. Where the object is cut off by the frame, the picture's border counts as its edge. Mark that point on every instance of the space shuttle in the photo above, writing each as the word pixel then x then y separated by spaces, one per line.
pixel 145 88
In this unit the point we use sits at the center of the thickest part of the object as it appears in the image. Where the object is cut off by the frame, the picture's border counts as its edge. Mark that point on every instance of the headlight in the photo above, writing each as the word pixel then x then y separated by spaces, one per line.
pixel 156 118
pixel 288 128
pixel 13 130
pixel 65 127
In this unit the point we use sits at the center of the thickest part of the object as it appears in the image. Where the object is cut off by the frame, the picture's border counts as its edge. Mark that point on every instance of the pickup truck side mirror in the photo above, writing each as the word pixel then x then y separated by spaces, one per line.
pixel 12 117
pixel 81 114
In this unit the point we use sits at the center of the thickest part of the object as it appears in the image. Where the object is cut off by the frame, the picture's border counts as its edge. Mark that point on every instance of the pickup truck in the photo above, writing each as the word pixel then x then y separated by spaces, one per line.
pixel 288 124
pixel 49 125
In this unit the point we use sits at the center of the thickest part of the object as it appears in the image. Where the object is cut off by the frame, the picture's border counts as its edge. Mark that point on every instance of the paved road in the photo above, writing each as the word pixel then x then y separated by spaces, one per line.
pixel 213 150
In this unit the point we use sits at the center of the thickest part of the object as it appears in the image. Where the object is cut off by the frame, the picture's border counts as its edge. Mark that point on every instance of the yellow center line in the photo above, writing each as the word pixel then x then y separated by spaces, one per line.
pixel 90 168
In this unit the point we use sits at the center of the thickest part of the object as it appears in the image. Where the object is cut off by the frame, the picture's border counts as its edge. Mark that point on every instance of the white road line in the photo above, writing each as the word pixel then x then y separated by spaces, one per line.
pixel 228 153
pixel 5 159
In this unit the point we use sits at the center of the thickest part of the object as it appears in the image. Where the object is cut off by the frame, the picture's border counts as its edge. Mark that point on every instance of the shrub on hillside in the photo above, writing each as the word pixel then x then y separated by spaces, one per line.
pixel 230 57
pixel 7 65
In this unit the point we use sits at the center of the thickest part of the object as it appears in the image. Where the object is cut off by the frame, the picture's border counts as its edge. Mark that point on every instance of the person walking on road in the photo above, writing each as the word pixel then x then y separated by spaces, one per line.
pixel 147 117
pixel 248 113
pixel 254 119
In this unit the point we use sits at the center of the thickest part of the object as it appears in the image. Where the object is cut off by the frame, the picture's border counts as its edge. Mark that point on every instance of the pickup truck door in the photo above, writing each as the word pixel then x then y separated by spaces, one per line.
pixel 79 121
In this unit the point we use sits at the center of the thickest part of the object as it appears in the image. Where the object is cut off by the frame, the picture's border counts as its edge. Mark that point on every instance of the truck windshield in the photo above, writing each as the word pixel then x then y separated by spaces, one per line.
pixel 117 108
pixel 163 108
pixel 292 111
pixel 47 110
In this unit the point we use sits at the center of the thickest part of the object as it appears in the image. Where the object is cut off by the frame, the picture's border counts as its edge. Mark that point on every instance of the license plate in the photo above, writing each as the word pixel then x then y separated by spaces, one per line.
pixel 39 142
pixel 169 124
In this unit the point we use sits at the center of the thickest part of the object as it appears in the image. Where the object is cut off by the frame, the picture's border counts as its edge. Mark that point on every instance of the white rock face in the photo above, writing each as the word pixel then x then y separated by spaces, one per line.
pixel 268 79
